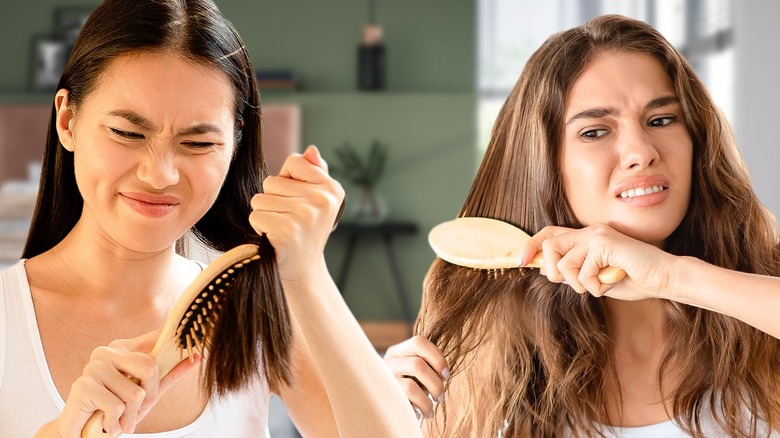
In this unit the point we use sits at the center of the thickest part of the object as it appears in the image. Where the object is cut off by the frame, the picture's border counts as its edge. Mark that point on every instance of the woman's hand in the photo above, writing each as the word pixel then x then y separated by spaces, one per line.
pixel 342 373
pixel 576 256
pixel 121 380
pixel 297 211
pixel 421 369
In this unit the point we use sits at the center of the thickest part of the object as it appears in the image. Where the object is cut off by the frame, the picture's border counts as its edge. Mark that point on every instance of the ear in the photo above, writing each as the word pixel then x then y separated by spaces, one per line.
pixel 64 119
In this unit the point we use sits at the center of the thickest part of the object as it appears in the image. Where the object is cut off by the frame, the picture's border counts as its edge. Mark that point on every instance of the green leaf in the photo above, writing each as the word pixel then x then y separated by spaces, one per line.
pixel 354 168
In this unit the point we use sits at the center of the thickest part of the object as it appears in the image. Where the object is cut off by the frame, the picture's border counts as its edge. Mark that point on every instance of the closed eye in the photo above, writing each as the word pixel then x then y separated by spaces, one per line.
pixel 198 144
pixel 127 134
pixel 662 121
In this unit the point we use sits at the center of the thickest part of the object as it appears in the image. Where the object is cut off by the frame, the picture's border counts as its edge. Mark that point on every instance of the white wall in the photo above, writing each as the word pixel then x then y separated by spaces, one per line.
pixel 757 100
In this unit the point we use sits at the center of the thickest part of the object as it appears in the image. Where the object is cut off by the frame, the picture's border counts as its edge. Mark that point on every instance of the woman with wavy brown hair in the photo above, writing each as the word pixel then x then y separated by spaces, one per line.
pixel 610 150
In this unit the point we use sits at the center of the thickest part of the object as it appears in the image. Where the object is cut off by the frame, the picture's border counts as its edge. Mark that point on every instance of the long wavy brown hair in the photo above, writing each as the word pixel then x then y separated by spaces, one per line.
pixel 531 357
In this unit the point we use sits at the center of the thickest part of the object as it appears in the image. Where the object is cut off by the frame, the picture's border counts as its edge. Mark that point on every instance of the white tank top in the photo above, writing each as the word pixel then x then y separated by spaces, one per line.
pixel 29 398
pixel 669 429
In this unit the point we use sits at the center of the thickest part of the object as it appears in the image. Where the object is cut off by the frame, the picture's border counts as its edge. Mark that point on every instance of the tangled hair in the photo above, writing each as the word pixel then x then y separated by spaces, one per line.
pixel 255 333
pixel 547 349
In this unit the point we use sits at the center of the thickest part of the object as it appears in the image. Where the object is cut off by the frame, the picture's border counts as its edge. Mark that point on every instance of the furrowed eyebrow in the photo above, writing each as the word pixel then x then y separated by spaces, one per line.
pixel 662 101
pixel 132 117
pixel 592 113
pixel 202 128
pixel 143 122
pixel 599 112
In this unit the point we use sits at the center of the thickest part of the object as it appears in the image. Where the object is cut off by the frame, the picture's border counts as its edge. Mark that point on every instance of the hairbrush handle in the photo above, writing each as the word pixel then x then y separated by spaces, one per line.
pixel 608 275
pixel 165 363
pixel 484 243
pixel 186 328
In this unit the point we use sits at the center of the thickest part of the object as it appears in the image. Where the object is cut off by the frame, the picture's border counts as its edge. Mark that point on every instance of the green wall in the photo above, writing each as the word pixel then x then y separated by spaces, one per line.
pixel 430 43
pixel 430 166
pixel 426 115
pixel 19 21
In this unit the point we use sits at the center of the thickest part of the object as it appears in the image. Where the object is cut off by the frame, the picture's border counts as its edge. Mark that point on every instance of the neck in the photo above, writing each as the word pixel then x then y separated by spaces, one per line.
pixel 636 326
pixel 118 279
pixel 634 394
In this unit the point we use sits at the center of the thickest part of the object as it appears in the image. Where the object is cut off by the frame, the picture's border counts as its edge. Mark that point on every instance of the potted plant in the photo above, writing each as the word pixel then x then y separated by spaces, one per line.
pixel 363 173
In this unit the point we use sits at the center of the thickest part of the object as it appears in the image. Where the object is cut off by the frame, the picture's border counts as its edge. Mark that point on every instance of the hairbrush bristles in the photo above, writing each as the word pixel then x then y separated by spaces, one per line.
pixel 204 312
pixel 192 318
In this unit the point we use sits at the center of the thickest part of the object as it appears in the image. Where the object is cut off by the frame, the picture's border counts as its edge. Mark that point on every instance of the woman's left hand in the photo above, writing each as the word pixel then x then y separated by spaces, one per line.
pixel 576 256
pixel 297 211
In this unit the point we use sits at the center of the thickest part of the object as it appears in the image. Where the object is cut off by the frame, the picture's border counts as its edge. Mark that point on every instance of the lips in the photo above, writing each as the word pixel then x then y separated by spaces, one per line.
pixel 642 191
pixel 150 205
pixel 640 186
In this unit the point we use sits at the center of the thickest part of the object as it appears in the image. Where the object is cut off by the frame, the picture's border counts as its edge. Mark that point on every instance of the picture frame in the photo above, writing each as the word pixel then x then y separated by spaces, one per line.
pixel 48 55
pixel 68 20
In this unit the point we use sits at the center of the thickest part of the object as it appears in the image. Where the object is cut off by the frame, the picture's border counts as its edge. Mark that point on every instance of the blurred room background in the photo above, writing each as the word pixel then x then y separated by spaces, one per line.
pixel 434 74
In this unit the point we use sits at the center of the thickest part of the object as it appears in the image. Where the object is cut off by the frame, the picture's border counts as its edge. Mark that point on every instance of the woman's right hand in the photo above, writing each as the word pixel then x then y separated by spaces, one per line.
pixel 576 256
pixel 421 369
pixel 121 380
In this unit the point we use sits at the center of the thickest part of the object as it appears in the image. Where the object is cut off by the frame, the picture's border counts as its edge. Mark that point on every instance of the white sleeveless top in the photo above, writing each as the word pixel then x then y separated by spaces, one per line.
pixel 29 398
pixel 669 429
pixel 666 429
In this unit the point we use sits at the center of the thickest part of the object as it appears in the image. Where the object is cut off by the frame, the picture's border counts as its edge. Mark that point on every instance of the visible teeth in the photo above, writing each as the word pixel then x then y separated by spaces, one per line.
pixel 632 193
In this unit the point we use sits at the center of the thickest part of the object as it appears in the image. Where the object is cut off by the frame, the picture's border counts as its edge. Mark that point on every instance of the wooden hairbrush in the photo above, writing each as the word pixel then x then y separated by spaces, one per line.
pixel 187 328
pixel 484 243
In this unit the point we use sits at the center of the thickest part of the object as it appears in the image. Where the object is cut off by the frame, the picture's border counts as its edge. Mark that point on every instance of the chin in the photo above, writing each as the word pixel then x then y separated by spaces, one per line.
pixel 149 242
pixel 655 236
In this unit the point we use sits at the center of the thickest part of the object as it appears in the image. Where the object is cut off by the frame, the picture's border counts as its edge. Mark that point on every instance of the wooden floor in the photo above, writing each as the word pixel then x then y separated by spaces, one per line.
pixel 383 334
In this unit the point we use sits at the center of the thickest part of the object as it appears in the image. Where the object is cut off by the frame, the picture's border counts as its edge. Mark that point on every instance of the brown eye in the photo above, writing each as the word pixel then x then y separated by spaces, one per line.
pixel 593 133
pixel 662 121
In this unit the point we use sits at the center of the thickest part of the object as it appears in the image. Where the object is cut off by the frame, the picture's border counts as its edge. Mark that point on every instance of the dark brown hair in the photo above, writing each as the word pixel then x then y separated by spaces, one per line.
pixel 255 333
pixel 547 348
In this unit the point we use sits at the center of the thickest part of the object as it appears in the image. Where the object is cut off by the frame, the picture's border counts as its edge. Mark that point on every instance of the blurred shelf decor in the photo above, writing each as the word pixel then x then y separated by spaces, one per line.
pixel 22 136
pixel 49 52
pixel 17 202
pixel 371 54
pixel 369 207
pixel 15 214
pixel 23 130
pixel 286 80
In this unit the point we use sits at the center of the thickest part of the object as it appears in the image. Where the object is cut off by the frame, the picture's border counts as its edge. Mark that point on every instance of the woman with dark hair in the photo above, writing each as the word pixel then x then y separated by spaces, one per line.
pixel 610 149
pixel 156 131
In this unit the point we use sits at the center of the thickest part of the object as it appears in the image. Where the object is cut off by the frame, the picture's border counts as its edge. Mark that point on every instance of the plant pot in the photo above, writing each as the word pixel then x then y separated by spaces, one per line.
pixel 368 206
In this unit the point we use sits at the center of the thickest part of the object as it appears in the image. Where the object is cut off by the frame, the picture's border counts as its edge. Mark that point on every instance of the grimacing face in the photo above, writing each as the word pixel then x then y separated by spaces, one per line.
pixel 627 153
pixel 152 145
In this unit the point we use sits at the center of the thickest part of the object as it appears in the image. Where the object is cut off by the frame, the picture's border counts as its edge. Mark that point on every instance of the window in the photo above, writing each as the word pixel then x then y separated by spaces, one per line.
pixel 509 31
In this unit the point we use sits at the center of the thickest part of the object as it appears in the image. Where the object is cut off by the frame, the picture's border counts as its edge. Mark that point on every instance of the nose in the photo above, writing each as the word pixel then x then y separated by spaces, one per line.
pixel 158 169
pixel 637 150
